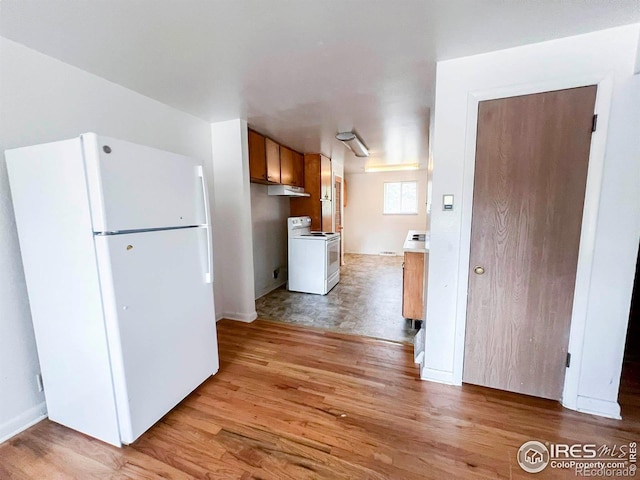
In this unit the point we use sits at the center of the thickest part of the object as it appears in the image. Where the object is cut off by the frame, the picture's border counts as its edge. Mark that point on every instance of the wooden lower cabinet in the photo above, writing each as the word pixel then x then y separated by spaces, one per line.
pixel 413 285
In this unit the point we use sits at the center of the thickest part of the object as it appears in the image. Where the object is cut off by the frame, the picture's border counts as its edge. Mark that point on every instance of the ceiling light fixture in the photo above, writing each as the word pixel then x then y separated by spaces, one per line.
pixel 354 144
pixel 391 167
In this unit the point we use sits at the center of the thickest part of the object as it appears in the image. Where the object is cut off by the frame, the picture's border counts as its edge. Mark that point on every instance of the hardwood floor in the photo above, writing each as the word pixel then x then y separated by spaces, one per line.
pixel 296 403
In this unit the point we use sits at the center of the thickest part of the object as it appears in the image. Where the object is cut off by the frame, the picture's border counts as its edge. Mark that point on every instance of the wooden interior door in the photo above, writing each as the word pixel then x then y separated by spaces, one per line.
pixel 338 214
pixel 532 155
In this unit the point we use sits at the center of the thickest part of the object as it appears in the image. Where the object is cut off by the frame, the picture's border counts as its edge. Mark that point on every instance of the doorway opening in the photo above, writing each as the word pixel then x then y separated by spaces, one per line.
pixel 368 300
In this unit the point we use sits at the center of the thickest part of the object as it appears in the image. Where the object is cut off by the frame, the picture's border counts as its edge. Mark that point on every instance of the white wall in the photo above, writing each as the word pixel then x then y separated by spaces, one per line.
pixel 42 100
pixel 367 229
pixel 269 223
pixel 233 254
pixel 636 70
pixel 610 234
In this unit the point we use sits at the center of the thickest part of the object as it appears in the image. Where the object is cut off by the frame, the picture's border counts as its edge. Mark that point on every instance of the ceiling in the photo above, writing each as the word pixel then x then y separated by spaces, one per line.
pixel 298 70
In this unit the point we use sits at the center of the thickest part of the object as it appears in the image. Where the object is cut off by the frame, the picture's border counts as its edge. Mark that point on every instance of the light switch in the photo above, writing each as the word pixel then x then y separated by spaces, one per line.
pixel 447 202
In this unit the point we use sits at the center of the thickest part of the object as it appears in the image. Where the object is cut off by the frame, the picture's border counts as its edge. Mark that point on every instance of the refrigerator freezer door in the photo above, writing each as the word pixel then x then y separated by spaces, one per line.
pixel 160 321
pixel 133 187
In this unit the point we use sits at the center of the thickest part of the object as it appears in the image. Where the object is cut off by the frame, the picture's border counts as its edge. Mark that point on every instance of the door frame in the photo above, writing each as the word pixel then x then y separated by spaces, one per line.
pixel 341 207
pixel 604 82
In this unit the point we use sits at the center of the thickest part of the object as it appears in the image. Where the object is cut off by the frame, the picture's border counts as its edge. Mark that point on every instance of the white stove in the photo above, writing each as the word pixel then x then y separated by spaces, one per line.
pixel 314 258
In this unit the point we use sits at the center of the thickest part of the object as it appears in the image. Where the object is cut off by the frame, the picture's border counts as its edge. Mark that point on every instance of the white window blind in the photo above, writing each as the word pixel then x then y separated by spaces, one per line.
pixel 400 198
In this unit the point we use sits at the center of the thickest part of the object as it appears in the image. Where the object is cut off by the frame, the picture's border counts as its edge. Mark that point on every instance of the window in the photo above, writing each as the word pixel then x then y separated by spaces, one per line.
pixel 401 198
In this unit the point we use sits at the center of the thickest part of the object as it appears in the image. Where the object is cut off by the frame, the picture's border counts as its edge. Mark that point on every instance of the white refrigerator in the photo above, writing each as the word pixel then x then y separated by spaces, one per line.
pixel 117 254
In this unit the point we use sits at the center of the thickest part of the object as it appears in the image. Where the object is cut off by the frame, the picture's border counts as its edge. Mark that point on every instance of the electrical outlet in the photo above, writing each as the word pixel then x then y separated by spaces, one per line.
pixel 276 272
pixel 39 382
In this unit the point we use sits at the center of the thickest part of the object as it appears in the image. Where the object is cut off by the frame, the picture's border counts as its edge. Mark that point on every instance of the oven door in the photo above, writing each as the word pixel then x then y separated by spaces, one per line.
pixel 333 255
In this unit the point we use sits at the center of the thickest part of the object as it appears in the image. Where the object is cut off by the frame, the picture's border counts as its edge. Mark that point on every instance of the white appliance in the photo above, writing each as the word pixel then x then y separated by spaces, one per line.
pixel 117 254
pixel 314 258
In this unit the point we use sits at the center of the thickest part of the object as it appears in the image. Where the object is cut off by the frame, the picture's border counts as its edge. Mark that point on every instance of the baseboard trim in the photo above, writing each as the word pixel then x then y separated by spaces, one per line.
pixel 601 408
pixel 271 289
pixel 23 421
pixel 240 317
pixel 438 376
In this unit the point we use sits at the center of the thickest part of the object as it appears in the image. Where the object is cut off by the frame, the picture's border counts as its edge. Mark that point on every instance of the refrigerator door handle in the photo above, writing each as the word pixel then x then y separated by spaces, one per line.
pixel 208 277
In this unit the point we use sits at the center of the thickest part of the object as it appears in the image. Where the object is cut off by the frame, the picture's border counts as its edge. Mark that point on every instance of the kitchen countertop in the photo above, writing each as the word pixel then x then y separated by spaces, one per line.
pixel 417 246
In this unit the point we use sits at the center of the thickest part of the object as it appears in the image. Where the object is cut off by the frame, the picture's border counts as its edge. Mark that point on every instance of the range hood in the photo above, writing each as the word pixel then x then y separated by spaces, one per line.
pixel 286 191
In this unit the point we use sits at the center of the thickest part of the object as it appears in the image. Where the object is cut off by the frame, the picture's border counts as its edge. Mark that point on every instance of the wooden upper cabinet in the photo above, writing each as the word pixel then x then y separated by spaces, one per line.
pixel 257 157
pixel 298 169
pixel 325 178
pixel 313 206
pixel 270 162
pixel 273 161
pixel 286 166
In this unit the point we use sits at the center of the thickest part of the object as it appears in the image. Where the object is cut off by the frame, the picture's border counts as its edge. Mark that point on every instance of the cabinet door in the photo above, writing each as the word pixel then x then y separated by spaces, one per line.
pixel 325 178
pixel 286 166
pixel 298 169
pixel 257 157
pixel 273 161
pixel 413 286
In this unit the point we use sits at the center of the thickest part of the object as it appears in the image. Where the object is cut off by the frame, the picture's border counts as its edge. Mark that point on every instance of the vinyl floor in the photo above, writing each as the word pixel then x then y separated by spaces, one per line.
pixel 367 301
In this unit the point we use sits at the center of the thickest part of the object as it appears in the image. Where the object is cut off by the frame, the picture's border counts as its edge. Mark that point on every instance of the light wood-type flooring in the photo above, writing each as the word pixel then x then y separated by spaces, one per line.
pixel 367 301
pixel 299 403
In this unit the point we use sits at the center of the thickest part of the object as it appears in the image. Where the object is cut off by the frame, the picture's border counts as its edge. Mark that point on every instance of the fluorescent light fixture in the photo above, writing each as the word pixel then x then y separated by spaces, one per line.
pixel 391 167
pixel 354 144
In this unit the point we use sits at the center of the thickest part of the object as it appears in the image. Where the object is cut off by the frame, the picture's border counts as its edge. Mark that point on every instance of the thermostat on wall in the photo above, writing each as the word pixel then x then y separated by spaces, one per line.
pixel 447 202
